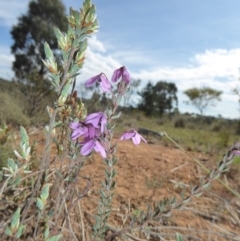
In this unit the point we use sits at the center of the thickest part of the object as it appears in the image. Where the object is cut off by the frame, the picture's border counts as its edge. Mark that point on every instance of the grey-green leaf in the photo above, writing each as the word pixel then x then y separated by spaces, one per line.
pixel 8 232
pixel 19 231
pixel 45 191
pixel 24 136
pixel 15 219
pixel 40 203
pixel 48 51
pixel 46 232
pixel 179 237
pixel 55 238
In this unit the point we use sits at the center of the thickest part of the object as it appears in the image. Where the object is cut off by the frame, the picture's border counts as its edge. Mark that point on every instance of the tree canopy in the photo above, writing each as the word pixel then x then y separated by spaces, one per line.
pixel 29 34
pixel 202 98
pixel 159 98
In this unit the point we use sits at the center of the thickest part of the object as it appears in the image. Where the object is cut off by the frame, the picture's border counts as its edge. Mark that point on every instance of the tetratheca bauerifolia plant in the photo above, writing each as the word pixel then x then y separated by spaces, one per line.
pixel 38 204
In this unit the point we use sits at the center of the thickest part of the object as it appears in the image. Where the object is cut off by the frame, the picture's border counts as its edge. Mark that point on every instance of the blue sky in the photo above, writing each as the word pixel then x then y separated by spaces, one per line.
pixel 190 43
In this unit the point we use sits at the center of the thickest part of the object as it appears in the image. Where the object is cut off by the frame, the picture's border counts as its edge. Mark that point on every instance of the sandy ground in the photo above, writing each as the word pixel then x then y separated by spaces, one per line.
pixel 149 172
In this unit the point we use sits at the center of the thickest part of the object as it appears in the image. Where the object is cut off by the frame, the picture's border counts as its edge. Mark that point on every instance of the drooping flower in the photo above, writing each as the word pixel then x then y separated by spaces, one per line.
pixel 235 149
pixel 121 72
pixel 91 144
pixel 136 137
pixel 102 80
pixel 82 129
pixel 77 130
pixel 98 120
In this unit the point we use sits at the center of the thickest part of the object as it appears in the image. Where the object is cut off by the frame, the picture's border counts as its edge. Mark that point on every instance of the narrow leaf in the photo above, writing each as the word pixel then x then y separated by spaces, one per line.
pixel 55 238
pixel 40 203
pixel 15 219
pixel 8 232
pixel 46 232
pixel 45 191
pixel 24 136
pixel 19 231
pixel 48 51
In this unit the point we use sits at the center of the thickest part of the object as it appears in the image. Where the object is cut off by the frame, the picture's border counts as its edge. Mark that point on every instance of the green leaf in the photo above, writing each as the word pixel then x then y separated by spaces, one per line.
pixel 65 55
pixel 58 34
pixel 45 191
pixel 55 80
pixel 66 89
pixel 40 203
pixel 84 45
pixel 19 231
pixel 48 51
pixel 119 98
pixel 24 136
pixel 116 116
pixel 12 164
pixel 46 232
pixel 8 232
pixel 15 219
pixel 179 237
pixel 55 238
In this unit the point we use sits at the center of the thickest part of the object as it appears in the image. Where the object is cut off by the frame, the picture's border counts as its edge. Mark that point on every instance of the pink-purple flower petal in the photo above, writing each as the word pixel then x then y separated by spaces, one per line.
pixel 92 80
pixel 121 72
pixel 98 120
pixel 116 75
pixel 75 125
pixel 127 135
pixel 99 148
pixel 104 83
pixel 136 137
pixel 87 148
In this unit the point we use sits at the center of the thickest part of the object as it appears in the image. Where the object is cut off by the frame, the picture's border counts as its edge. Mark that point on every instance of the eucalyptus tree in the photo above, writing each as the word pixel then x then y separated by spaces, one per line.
pixel 29 34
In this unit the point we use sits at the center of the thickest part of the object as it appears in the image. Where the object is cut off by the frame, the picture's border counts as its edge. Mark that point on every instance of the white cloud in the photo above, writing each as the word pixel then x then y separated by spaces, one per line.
pixel 6 59
pixel 9 10
pixel 217 68
pixel 206 68
pixel 96 45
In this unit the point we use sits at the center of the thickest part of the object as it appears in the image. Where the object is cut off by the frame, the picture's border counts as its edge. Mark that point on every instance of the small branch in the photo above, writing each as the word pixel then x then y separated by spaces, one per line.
pixel 203 167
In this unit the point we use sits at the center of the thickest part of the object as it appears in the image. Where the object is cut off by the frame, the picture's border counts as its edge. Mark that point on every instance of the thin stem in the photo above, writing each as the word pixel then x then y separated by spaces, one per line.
pixel 4 185
pixel 203 167
pixel 81 218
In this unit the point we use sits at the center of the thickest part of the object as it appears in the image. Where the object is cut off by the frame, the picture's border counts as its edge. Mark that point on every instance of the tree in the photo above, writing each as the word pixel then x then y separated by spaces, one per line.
pixel 159 98
pixel 129 98
pixel 29 35
pixel 201 98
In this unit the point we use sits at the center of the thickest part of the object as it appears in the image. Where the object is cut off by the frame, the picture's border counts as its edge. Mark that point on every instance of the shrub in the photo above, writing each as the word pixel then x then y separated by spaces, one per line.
pixel 217 127
pixel 6 152
pixel 223 138
pixel 180 123
pixel 11 111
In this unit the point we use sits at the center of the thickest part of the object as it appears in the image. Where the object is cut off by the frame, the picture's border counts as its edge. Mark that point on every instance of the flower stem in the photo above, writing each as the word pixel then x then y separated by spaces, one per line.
pixel 201 165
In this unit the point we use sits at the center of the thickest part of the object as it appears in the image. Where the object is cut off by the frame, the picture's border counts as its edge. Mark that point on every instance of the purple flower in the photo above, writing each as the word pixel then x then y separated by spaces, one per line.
pixel 98 120
pixel 103 81
pixel 91 144
pixel 136 137
pixel 78 130
pixel 235 149
pixel 121 72
pixel 82 129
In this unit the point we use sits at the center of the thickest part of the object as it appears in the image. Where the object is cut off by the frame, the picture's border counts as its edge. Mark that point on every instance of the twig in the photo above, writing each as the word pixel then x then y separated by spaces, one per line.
pixel 69 222
pixel 81 218
pixel 176 168
pixel 203 167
